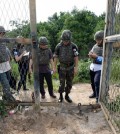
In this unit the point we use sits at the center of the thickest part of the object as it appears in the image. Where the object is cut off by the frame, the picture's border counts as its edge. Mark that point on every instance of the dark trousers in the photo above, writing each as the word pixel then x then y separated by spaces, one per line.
pixel 23 70
pixel 66 78
pixel 95 82
pixel 48 78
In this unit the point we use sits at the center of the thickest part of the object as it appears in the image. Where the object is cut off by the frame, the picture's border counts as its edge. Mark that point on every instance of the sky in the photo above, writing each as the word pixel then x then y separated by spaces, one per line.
pixel 47 8
pixel 19 9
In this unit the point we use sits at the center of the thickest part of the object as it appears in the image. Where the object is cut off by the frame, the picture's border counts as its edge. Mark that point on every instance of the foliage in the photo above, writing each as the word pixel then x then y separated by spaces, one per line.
pixel 115 70
pixel 83 72
pixel 14 68
pixel 3 111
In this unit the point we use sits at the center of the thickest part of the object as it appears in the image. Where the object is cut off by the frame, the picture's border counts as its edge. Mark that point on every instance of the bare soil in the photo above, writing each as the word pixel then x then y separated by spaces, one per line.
pixel 59 119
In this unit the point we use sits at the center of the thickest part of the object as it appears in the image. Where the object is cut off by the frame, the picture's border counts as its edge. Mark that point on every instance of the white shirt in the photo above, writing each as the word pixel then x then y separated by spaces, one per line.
pixel 95 67
pixel 4 67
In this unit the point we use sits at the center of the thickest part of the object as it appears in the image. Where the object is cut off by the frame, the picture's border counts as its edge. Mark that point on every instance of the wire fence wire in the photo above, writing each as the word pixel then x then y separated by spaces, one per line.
pixel 110 83
pixel 15 18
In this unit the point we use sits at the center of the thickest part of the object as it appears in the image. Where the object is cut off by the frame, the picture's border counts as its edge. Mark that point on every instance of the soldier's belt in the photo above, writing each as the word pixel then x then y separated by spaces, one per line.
pixel 66 64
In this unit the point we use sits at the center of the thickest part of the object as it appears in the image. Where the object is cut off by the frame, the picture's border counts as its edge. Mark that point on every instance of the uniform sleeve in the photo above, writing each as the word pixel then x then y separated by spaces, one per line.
pixel 56 54
pixel 75 50
pixel 50 54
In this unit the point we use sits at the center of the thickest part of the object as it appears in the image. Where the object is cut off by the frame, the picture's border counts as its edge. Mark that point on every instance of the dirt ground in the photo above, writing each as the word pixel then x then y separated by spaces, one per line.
pixel 58 119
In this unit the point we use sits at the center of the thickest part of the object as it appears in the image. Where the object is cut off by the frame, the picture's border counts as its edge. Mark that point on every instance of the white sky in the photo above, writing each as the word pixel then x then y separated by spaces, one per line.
pixel 19 9
pixel 47 8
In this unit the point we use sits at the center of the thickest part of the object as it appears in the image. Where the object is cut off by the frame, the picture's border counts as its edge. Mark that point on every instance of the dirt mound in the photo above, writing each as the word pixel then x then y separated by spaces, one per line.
pixel 63 119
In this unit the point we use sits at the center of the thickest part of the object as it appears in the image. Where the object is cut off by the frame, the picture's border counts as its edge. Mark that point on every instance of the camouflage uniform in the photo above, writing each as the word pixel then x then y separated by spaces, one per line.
pixel 4 67
pixel 66 55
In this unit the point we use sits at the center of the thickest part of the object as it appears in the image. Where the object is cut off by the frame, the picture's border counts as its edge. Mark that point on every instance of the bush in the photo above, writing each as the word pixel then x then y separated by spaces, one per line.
pixel 83 72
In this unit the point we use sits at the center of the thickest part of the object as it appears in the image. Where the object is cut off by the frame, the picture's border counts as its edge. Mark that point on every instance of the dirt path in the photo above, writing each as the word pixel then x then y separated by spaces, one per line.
pixel 59 120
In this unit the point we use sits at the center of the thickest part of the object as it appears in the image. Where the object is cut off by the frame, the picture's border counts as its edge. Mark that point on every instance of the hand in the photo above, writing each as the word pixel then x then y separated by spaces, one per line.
pixel 92 55
pixel 30 70
pixel 24 52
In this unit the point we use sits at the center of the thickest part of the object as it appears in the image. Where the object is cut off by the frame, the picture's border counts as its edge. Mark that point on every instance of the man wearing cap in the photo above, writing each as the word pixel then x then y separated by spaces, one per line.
pixel 67 54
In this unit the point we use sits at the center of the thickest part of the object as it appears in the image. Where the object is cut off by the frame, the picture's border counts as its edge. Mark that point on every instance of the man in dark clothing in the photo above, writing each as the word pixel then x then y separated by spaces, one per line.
pixel 22 58
pixel 45 58
pixel 67 54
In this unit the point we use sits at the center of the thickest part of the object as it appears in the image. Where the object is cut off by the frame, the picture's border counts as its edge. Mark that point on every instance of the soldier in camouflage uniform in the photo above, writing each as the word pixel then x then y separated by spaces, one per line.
pixel 4 63
pixel 67 54
pixel 45 58
pixel 96 65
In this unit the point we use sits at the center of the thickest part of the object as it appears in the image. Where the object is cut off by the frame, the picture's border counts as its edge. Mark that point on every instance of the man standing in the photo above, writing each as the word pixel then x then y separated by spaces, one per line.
pixel 67 54
pixel 45 59
pixel 96 66
pixel 4 67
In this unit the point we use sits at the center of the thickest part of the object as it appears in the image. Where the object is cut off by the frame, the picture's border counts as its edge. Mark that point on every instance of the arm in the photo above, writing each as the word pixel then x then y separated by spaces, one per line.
pixel 76 65
pixel 30 65
pixel 18 58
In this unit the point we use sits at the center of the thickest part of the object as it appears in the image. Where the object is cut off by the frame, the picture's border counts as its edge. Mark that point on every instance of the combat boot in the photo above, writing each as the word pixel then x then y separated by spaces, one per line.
pixel 67 98
pixel 60 98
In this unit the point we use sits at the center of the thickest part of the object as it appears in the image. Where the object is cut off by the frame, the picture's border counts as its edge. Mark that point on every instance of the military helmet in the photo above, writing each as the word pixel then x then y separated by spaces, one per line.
pixel 99 35
pixel 43 40
pixel 66 35
pixel 2 29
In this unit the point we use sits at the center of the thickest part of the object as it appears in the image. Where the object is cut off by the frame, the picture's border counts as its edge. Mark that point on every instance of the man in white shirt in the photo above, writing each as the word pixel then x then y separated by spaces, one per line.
pixel 96 65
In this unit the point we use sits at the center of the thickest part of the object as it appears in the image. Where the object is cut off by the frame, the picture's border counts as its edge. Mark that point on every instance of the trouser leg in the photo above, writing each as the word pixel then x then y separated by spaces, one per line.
pixel 97 83
pixel 48 78
pixel 41 76
pixel 92 75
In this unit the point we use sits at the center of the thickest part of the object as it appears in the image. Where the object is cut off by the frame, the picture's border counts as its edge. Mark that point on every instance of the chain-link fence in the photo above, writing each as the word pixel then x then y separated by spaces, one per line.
pixel 110 81
pixel 15 22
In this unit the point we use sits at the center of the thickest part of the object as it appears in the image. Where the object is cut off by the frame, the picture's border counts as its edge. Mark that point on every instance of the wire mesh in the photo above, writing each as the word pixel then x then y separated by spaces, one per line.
pixel 15 18
pixel 110 98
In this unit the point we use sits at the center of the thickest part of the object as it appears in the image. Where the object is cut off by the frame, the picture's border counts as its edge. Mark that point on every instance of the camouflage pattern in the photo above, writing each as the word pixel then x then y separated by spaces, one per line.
pixel 66 77
pixel 99 35
pixel 66 54
pixel 66 35
pixel 43 40
pixel 44 56
pixel 3 53
pixel 7 96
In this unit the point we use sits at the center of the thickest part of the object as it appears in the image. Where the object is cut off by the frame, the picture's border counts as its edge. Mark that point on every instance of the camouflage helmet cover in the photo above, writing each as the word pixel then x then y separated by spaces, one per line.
pixel 66 35
pixel 99 35
pixel 2 29
pixel 43 40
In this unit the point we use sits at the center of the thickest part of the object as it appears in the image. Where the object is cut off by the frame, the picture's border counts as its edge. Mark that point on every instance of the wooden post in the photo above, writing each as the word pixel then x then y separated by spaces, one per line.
pixel 32 6
pixel 107 49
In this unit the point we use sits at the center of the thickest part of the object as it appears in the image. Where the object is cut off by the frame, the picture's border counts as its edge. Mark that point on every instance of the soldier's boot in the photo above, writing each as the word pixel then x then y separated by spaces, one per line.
pixel 8 98
pixel 60 98
pixel 67 98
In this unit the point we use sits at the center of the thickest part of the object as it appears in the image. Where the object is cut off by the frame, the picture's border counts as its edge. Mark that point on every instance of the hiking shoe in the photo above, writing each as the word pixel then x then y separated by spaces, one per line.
pixel 68 99
pixel 92 96
pixel 26 89
pixel 43 96
pixel 53 96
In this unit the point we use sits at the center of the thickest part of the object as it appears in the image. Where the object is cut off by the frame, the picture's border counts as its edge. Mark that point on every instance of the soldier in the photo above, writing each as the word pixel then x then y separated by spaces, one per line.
pixel 67 54
pixel 45 58
pixel 4 62
pixel 96 65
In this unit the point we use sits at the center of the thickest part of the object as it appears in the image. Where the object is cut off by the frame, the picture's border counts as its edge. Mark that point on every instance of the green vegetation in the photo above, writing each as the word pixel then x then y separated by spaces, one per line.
pixel 3 111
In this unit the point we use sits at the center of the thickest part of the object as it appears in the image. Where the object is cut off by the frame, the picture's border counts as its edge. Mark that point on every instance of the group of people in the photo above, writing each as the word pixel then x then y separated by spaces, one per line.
pixel 64 61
